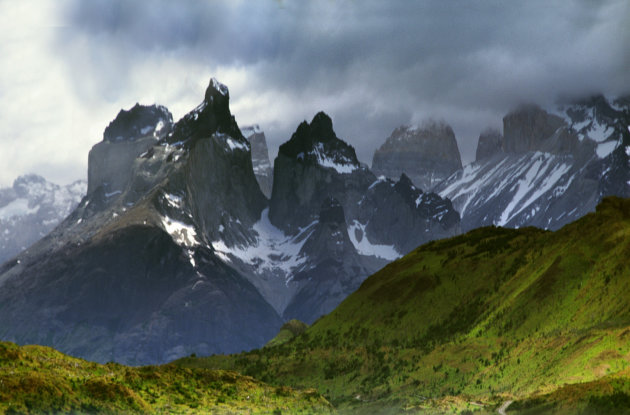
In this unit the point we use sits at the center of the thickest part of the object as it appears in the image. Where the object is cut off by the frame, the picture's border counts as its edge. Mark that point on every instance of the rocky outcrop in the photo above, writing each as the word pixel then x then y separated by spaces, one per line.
pixel 260 157
pixel 490 143
pixel 334 269
pixel 527 128
pixel 311 166
pixel 400 215
pixel 31 208
pixel 137 122
pixel 426 154
pixel 131 134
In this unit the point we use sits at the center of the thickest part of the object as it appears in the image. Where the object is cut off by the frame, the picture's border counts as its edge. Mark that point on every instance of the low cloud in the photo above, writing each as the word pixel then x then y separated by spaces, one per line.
pixel 371 65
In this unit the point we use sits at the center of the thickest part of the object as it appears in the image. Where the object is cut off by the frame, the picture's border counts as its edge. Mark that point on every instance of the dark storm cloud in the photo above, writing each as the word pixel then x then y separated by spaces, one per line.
pixel 466 62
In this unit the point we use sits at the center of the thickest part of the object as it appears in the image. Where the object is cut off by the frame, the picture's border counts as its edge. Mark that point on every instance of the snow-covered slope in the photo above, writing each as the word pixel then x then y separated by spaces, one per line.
pixel 31 208
pixel 552 180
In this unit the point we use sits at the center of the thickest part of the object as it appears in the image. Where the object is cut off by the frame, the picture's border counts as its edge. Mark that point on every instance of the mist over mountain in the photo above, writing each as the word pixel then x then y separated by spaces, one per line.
pixel 31 208
pixel 546 169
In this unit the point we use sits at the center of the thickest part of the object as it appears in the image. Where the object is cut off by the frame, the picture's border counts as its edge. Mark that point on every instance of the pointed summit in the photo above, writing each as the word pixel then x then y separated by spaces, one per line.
pixel 139 121
pixel 217 87
pixel 317 143
pixel 211 116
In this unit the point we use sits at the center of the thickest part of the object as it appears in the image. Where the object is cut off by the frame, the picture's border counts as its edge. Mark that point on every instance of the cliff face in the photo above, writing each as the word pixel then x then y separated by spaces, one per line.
pixel 132 133
pixel 426 154
pixel 527 128
pixel 490 143
pixel 260 158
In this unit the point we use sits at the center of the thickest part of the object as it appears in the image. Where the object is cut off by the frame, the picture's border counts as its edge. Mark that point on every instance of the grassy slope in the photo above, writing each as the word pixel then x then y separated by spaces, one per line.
pixel 35 379
pixel 492 315
pixel 288 331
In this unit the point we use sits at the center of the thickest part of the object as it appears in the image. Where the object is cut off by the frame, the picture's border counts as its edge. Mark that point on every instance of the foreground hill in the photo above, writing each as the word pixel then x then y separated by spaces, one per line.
pixel 470 322
pixel 36 379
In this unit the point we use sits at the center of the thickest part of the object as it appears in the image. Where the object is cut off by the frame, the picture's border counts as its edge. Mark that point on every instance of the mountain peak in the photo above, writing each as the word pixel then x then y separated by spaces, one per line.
pixel 216 88
pixel 489 144
pixel 322 127
pixel 317 143
pixel 427 154
pixel 211 116
pixel 139 121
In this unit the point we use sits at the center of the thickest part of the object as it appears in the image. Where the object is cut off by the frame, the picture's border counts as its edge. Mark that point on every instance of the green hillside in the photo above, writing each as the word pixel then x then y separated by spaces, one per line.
pixel 288 331
pixel 35 379
pixel 467 323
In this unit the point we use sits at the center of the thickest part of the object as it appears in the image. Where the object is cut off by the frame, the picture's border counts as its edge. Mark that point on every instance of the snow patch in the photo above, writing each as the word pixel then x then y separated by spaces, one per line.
pixel 597 132
pixel 380 179
pixel 365 247
pixel 232 143
pixel 344 167
pixel 272 251
pixel 182 234
pixel 223 90
pixel 173 200
pixel 604 149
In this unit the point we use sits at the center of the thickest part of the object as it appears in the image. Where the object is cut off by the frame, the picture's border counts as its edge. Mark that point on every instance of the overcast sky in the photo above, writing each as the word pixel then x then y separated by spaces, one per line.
pixel 67 67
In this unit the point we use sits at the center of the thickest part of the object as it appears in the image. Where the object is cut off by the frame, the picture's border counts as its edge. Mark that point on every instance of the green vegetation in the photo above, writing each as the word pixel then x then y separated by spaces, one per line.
pixel 35 379
pixel 288 331
pixel 464 324
pixel 458 326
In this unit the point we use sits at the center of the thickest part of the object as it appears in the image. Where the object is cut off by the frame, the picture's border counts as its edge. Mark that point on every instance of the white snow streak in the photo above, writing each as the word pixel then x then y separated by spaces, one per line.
pixel 182 234
pixel 365 247
pixel 273 250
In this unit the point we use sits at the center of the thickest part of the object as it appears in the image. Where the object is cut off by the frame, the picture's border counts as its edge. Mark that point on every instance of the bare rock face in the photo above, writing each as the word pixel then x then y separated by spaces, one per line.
pixel 426 154
pixel 490 143
pixel 312 165
pixel 527 128
pixel 260 157
pixel 132 133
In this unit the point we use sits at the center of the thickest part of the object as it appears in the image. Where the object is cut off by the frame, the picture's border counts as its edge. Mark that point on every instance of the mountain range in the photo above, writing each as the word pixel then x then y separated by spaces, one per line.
pixel 187 243
pixel 31 208
pixel 175 244
pixel 546 169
